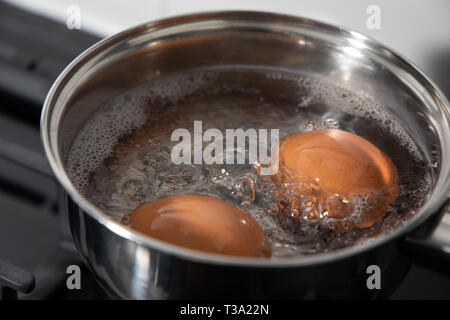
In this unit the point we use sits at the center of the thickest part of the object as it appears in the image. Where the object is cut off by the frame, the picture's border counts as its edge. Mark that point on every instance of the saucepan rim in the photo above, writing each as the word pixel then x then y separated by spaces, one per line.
pixel 436 198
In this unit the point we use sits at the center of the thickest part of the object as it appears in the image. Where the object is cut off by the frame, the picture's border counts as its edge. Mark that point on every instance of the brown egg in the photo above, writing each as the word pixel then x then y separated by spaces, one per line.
pixel 342 163
pixel 201 223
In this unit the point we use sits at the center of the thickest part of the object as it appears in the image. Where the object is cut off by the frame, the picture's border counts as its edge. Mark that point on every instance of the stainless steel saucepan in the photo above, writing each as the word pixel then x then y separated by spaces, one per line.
pixel 130 265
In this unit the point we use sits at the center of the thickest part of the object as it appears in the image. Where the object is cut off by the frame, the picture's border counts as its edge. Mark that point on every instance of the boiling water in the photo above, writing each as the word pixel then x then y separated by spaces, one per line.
pixel 122 156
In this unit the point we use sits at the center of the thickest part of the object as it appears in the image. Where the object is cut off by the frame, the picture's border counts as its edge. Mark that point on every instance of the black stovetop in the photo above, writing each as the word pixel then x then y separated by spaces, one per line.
pixel 34 235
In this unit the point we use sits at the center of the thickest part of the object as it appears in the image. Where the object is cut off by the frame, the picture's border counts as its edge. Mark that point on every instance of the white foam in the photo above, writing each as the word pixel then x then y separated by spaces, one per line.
pixel 119 117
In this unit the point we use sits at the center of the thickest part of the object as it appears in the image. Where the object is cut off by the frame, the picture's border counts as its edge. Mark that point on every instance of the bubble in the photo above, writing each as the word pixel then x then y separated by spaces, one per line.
pixel 122 155
pixel 119 117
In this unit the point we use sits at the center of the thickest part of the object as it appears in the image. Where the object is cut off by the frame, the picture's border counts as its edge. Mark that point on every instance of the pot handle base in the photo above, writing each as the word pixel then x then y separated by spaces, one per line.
pixel 432 247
